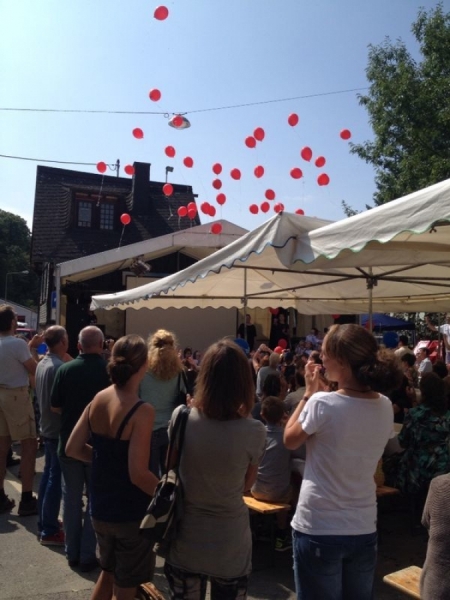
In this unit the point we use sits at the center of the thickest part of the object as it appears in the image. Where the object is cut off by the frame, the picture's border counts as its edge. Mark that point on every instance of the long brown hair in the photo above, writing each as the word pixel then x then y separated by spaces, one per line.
pixel 224 388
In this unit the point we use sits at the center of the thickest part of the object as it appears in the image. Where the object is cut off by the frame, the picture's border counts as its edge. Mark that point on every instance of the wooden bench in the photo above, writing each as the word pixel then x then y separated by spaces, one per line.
pixel 407 581
pixel 267 509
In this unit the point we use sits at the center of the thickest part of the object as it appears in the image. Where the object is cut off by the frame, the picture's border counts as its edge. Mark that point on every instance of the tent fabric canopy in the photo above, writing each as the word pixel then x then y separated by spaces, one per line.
pixel 387 323
pixel 393 258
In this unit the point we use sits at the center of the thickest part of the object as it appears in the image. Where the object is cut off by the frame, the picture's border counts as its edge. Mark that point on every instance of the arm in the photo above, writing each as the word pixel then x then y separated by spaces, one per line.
pixel 77 446
pixel 294 436
pixel 139 450
pixel 250 477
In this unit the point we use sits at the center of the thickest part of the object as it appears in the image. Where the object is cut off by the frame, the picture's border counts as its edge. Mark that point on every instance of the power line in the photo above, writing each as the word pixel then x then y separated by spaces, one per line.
pixel 61 162
pixel 146 112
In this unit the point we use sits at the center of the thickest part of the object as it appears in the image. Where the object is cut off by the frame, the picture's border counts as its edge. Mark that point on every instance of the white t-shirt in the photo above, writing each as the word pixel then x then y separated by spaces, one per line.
pixel 347 438
pixel 13 353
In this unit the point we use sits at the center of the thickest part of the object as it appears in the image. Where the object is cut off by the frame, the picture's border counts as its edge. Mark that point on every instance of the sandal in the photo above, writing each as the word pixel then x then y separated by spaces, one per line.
pixel 6 505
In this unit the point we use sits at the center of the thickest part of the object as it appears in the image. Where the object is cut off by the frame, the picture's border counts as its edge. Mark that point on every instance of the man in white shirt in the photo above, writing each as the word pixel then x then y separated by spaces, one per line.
pixel 423 364
pixel 17 422
pixel 402 347
pixel 445 330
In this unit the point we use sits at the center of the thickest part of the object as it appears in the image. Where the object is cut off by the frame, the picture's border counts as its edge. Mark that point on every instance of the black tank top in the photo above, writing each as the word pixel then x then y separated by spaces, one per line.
pixel 114 498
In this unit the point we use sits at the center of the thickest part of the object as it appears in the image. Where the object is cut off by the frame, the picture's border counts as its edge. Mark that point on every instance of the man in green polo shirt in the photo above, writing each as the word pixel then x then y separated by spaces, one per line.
pixel 76 383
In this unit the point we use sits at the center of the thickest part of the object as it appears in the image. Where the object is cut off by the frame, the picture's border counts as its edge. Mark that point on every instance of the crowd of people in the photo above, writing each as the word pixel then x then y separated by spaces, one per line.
pixel 106 428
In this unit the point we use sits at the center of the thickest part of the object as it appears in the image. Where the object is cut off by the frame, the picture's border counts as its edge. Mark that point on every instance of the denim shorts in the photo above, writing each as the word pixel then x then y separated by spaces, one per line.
pixel 125 552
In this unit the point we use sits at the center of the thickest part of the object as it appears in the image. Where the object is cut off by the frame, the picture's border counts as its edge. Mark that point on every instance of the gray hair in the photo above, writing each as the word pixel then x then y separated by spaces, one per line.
pixel 54 335
pixel 90 338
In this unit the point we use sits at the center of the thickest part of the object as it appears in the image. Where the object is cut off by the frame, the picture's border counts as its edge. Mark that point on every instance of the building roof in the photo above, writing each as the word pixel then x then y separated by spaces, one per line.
pixel 56 238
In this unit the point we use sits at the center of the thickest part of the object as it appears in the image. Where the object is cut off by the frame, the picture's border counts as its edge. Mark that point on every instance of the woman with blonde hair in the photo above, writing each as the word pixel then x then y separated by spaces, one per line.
pixel 163 387
pixel 221 451
pixel 345 432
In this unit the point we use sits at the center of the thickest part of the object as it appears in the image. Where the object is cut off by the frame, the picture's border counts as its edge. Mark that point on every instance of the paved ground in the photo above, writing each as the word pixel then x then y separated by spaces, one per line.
pixel 29 570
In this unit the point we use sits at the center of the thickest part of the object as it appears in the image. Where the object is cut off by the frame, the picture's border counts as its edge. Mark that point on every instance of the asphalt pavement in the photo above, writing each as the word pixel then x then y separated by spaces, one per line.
pixel 34 572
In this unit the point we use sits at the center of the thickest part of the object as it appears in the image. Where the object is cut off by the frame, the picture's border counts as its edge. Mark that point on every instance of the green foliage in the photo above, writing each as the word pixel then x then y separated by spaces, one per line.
pixel 15 242
pixel 409 109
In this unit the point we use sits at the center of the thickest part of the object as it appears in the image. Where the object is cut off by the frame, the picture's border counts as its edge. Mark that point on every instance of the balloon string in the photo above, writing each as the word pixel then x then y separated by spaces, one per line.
pixel 121 236
pixel 101 190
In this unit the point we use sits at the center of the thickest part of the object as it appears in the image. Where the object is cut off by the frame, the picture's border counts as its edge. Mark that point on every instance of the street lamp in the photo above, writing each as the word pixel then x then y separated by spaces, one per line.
pixel 6 280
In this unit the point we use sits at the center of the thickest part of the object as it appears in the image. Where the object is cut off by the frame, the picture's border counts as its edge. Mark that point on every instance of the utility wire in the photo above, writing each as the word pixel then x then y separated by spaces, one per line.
pixel 146 112
pixel 61 162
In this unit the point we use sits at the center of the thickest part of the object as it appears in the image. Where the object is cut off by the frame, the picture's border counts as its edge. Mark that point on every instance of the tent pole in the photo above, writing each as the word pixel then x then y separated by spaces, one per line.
pixel 370 284
pixel 245 304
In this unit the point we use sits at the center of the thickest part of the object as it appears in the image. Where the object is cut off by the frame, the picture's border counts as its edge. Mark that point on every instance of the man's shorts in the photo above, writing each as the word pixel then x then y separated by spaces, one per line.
pixel 125 552
pixel 17 418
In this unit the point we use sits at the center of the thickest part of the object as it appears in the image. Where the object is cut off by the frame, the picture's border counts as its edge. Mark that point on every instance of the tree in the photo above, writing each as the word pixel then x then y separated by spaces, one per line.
pixel 409 109
pixel 15 242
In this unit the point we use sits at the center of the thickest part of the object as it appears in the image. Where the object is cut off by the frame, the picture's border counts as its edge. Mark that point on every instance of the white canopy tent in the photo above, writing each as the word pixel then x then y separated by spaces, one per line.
pixel 395 257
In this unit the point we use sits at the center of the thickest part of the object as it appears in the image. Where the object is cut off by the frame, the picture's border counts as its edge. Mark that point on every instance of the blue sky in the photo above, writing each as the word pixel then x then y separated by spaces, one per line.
pixel 107 55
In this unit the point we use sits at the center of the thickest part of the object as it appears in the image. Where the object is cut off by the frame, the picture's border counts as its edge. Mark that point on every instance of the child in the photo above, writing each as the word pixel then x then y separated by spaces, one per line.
pixel 274 471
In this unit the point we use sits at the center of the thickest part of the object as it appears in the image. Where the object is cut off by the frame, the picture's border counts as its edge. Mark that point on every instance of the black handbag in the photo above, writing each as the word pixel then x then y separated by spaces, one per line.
pixel 164 512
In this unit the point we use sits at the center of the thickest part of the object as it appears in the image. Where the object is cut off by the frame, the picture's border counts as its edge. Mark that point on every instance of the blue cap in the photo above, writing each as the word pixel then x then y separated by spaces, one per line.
pixel 243 344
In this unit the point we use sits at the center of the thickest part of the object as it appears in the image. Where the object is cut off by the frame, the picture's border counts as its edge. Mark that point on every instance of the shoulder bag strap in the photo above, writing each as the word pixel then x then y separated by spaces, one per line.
pixel 179 428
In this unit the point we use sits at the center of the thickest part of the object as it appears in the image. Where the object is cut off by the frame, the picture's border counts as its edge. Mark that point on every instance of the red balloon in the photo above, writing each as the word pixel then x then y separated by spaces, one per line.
pixel 296 173
pixel 265 206
pixel 182 211
pixel 192 214
pixel 170 151
pixel 221 199
pixel 204 207
pixel 299 211
pixel 129 170
pixel 217 184
pixel 161 13
pixel 217 168
pixel 235 173
pixel 335 317
pixel 138 133
pixel 177 121
pixel 250 141
pixel 259 171
pixel 306 153
pixel 259 134
pixel 274 311
pixel 320 161
pixel 323 179
pixel 278 350
pixel 216 228
pixel 101 167
pixel 154 95
pixel 167 189
pixel 253 208
pixel 283 343
pixel 212 211
pixel 125 219
pixel 192 206
pixel 278 207
pixel 188 162
pixel 346 134
pixel 270 194
pixel 293 119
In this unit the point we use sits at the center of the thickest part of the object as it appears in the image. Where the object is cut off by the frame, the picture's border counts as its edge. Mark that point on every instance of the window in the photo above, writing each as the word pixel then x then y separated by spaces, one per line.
pixel 107 216
pixel 84 214
pixel 95 212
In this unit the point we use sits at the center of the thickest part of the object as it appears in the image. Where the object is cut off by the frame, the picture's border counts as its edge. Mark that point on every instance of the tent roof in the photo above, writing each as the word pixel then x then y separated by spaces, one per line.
pixel 196 242
pixel 398 253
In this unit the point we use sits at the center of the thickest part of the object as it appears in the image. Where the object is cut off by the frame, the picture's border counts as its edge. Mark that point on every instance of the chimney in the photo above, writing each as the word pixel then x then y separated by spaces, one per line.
pixel 141 179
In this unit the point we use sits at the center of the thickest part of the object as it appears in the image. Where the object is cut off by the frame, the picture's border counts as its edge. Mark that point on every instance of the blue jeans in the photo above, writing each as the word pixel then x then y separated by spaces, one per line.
pixel 49 496
pixel 158 451
pixel 79 533
pixel 334 567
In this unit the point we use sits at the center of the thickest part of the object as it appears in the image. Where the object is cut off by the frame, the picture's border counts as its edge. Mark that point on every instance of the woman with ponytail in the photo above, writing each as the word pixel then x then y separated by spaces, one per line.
pixel 114 433
pixel 345 432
